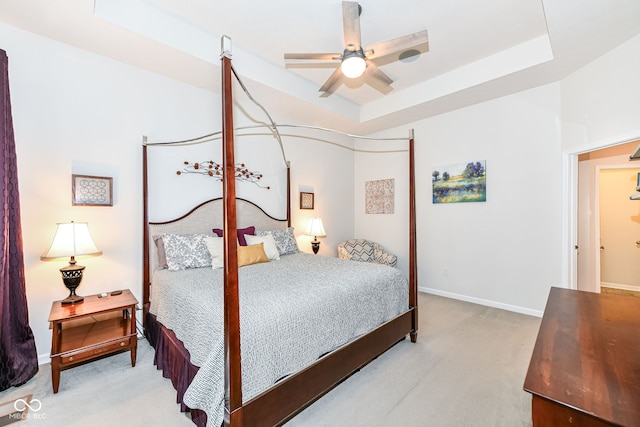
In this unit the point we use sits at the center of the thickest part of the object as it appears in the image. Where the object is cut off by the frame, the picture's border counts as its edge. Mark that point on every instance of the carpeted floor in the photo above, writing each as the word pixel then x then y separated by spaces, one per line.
pixel 467 369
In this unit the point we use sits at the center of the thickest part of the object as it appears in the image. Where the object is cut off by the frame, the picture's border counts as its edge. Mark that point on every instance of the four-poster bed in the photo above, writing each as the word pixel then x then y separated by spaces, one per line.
pixel 290 394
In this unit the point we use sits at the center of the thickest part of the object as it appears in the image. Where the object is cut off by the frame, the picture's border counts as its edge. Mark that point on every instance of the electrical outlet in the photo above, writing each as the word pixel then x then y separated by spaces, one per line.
pixel 445 272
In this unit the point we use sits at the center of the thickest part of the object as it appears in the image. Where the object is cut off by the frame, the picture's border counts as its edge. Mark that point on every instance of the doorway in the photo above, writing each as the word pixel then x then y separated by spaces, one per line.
pixel 585 261
pixel 619 229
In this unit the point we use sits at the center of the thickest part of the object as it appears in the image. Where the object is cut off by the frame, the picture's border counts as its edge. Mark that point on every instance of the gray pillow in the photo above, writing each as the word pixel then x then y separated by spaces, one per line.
pixel 186 251
pixel 285 240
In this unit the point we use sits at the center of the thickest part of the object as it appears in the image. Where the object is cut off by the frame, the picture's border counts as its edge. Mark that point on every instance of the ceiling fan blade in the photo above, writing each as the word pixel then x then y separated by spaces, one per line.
pixel 351 23
pixel 397 45
pixel 313 56
pixel 374 72
pixel 332 82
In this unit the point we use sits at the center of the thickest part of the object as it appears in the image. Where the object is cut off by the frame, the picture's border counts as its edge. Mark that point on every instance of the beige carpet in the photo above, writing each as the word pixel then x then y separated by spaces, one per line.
pixel 467 369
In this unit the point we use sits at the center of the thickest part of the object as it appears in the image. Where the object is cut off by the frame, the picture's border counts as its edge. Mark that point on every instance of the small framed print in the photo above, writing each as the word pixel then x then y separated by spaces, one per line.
pixel 306 200
pixel 91 190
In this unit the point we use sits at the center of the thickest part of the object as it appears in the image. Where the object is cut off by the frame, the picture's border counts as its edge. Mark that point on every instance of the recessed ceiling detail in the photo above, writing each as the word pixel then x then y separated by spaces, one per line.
pixel 477 50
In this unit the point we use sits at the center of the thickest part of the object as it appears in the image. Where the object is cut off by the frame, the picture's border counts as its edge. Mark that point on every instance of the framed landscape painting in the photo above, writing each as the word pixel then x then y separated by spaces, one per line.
pixel 459 183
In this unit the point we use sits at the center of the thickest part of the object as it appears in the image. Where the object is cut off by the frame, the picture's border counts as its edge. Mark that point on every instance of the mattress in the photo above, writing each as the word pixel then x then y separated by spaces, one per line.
pixel 292 311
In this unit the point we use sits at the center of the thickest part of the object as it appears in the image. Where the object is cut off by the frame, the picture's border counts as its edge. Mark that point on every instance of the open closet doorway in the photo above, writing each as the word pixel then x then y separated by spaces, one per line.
pixel 608 221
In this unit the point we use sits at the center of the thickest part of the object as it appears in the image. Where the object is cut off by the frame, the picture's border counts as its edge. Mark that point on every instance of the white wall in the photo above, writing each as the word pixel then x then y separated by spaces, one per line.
pixel 76 112
pixel 508 251
pixel 504 252
pixel 326 169
pixel 391 162
pixel 601 101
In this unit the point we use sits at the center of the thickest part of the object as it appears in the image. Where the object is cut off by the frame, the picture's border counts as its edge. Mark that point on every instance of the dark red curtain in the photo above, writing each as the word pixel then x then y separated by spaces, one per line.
pixel 18 356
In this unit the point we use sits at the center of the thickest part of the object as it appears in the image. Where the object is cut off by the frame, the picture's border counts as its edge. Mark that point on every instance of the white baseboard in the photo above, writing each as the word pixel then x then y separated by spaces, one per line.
pixel 620 286
pixel 44 358
pixel 488 303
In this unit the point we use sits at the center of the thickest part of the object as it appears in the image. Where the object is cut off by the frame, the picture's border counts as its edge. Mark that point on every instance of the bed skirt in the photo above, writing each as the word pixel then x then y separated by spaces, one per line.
pixel 174 360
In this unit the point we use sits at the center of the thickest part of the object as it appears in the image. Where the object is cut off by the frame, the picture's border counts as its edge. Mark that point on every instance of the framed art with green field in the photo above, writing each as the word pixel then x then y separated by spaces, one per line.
pixel 459 183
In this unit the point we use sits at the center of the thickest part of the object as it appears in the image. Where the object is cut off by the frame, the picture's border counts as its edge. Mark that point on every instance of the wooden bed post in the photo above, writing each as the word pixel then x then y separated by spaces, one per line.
pixel 413 266
pixel 145 234
pixel 289 194
pixel 233 367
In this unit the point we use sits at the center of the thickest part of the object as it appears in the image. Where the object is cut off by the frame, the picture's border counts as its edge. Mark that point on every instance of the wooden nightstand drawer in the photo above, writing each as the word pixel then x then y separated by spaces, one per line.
pixel 94 352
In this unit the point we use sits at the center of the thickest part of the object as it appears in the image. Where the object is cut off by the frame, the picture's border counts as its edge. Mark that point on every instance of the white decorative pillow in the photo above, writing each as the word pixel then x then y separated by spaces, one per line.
pixel 285 240
pixel 215 245
pixel 269 242
pixel 184 251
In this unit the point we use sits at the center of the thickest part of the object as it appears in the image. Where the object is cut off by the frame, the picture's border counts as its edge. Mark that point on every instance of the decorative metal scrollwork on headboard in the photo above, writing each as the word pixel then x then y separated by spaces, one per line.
pixel 214 170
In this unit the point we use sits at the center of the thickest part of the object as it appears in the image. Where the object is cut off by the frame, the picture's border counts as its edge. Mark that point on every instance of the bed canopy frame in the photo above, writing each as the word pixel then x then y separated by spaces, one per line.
pixel 292 394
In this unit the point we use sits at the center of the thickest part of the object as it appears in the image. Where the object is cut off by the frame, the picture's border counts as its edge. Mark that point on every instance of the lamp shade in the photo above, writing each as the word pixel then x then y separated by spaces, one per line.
pixel 71 239
pixel 315 228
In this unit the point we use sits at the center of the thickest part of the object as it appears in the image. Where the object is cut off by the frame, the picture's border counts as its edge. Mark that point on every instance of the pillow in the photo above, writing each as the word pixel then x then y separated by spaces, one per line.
pixel 186 251
pixel 269 243
pixel 215 245
pixel 253 254
pixel 241 232
pixel 162 256
pixel 285 240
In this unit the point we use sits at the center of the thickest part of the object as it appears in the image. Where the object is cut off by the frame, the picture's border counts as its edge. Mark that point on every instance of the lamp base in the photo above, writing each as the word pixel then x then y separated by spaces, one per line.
pixel 315 245
pixel 72 276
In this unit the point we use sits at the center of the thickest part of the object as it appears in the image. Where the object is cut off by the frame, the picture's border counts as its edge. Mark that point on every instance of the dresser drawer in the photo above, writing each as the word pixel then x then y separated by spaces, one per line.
pixel 96 351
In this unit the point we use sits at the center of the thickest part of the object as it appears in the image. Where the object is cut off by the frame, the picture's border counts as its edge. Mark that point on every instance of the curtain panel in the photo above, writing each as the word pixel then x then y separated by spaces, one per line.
pixel 18 356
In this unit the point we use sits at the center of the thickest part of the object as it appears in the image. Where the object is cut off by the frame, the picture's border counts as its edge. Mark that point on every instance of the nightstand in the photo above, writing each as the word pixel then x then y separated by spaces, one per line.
pixel 92 329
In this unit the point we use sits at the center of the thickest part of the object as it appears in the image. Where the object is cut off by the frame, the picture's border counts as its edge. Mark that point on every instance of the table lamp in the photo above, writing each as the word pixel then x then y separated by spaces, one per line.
pixel 71 240
pixel 315 229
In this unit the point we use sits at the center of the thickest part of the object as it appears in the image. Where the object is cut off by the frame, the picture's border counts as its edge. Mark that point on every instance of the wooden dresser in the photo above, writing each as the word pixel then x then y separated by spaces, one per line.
pixel 585 366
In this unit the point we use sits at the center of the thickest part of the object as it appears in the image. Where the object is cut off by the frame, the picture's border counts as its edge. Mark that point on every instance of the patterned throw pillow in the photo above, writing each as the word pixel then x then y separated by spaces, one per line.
pixel 359 250
pixel 285 240
pixel 186 251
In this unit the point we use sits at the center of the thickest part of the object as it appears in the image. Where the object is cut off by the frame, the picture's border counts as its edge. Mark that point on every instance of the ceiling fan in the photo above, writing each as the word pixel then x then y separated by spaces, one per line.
pixel 356 60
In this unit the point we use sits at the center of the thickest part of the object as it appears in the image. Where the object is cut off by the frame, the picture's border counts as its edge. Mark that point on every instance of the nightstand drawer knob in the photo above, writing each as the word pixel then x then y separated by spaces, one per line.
pixel 121 344
pixel 71 359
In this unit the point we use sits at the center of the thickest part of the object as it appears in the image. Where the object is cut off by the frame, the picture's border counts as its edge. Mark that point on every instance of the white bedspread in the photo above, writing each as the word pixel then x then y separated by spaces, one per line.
pixel 292 311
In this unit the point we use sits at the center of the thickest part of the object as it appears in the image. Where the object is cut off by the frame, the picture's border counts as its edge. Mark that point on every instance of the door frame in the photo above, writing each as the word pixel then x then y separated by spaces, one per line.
pixel 570 205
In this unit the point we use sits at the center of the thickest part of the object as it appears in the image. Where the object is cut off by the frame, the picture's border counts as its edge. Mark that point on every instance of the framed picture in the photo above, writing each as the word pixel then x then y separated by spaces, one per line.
pixel 91 190
pixel 461 182
pixel 379 196
pixel 306 200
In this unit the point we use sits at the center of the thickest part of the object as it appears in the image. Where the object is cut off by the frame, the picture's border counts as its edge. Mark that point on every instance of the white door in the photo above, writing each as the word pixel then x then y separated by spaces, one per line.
pixel 619 230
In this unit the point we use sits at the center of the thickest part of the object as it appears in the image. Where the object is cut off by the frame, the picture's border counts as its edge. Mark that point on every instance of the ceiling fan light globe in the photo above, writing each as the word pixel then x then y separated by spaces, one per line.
pixel 353 66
